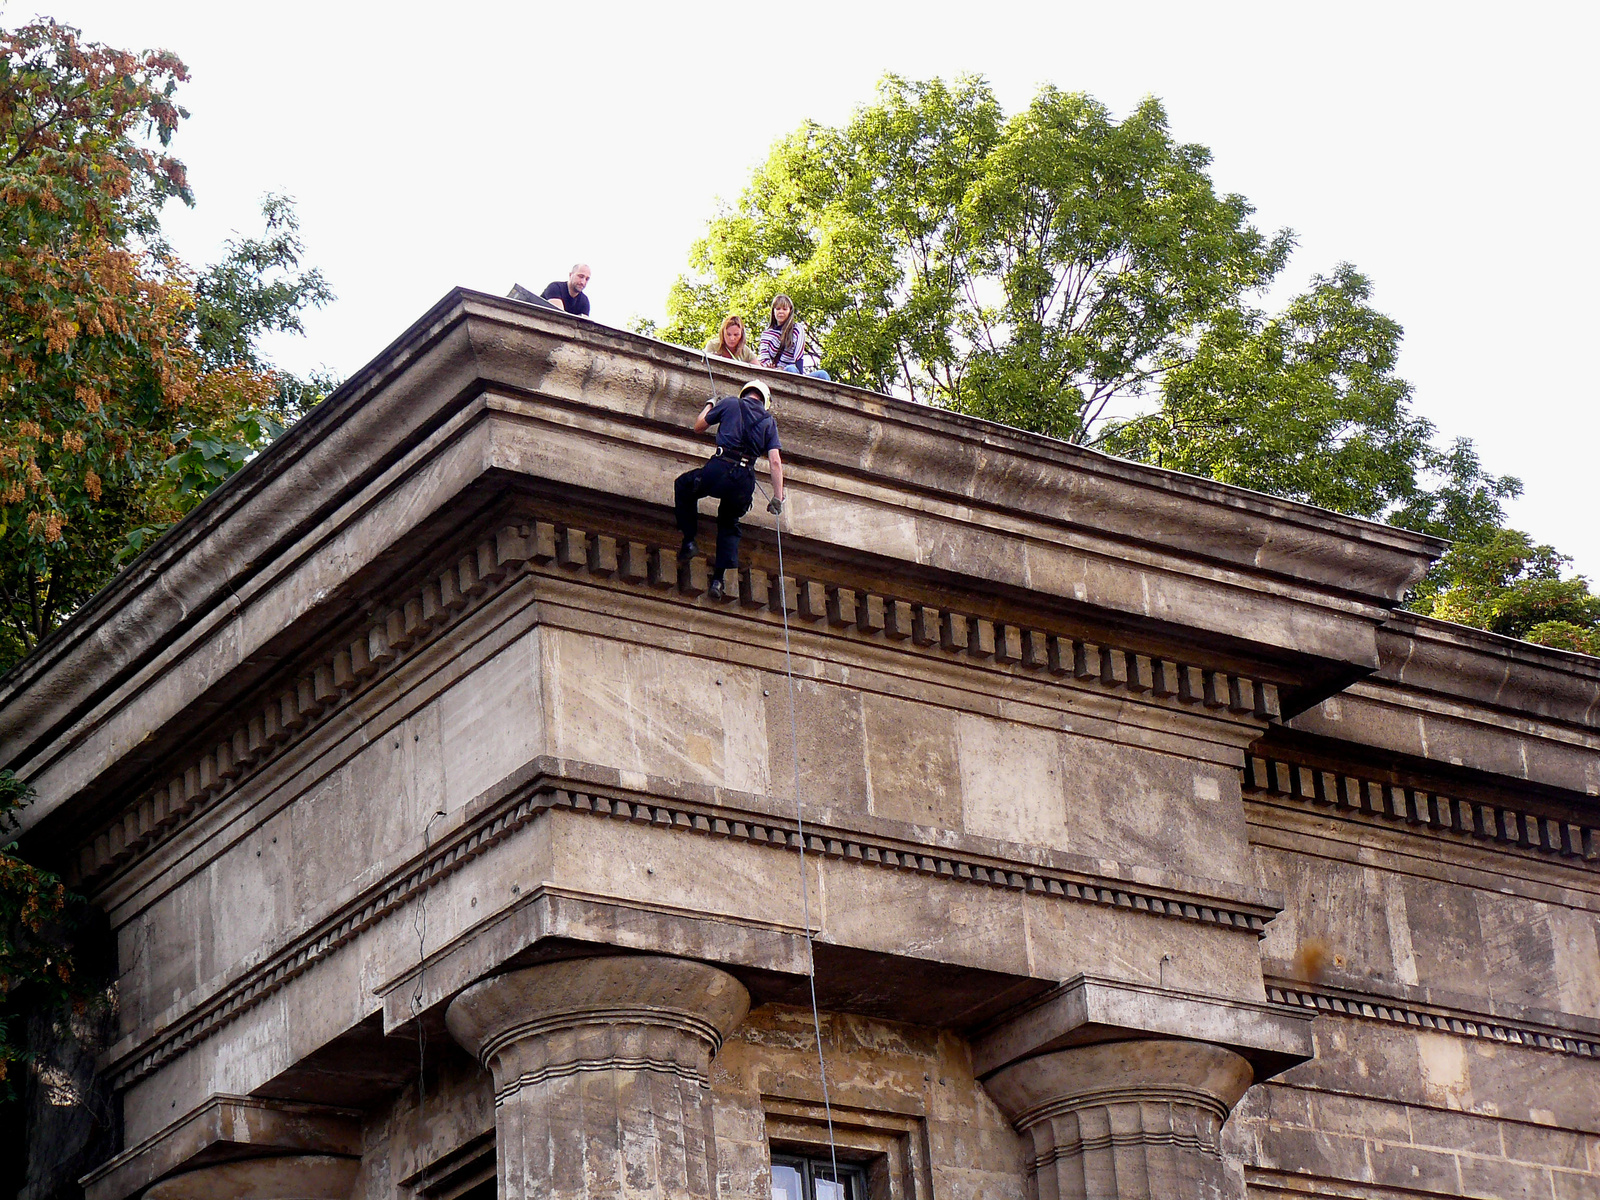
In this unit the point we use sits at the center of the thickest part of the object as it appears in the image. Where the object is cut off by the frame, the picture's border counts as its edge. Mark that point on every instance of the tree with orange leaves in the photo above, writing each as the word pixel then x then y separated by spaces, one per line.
pixel 127 389
pixel 130 387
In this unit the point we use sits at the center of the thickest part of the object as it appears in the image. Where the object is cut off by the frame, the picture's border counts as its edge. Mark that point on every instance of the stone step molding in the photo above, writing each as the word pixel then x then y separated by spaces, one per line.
pixel 1470 1025
pixel 601 1073
pixel 1422 810
pixel 515 811
pixel 286 1177
pixel 414 619
pixel 853 846
pixel 1126 1119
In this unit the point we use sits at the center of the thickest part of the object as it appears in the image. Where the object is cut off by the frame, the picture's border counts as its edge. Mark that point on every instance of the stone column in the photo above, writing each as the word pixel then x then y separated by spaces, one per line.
pixel 1121 1120
pixel 286 1177
pixel 601 1074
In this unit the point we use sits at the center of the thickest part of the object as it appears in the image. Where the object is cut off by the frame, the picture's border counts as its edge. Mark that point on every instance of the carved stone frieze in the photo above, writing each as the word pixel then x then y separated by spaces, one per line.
pixel 1471 1025
pixel 1422 810
pixel 295 708
pixel 499 821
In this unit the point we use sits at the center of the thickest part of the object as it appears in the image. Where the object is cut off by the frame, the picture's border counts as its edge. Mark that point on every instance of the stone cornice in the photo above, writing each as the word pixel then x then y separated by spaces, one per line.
pixel 236 1124
pixel 1463 698
pixel 1460 1022
pixel 415 617
pixel 1471 665
pixel 144 1052
pixel 1424 811
pixel 1100 533
pixel 293 485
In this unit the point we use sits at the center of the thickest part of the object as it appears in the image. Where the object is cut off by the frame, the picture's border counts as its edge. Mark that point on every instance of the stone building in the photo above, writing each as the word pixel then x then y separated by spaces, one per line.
pixel 448 833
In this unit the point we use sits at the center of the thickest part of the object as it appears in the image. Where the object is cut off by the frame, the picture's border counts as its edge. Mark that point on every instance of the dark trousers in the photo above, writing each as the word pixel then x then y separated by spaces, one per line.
pixel 728 482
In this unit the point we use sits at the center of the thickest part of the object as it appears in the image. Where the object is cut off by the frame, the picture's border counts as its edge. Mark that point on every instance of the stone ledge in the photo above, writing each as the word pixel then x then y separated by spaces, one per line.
pixel 1141 527
pixel 1420 810
pixel 509 809
pixel 417 616
pixel 1501 673
pixel 1284 973
pixel 224 1128
pixel 1462 1024
pixel 607 924
pixel 1086 1009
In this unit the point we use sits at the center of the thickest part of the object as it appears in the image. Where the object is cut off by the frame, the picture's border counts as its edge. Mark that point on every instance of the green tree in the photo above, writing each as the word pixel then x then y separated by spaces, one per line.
pixel 1033 270
pixel 1305 405
pixel 130 387
pixel 1056 268
pixel 122 402
pixel 1460 500
pixel 258 288
pixel 1503 582
pixel 36 968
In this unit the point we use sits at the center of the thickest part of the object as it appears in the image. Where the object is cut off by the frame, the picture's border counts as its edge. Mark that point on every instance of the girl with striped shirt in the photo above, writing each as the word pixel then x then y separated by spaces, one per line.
pixel 783 344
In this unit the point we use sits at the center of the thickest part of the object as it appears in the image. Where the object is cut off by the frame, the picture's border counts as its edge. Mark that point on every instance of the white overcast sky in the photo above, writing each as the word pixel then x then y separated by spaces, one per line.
pixel 1448 150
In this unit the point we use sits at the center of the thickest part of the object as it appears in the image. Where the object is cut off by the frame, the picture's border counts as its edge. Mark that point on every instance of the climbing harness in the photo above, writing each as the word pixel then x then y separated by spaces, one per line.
pixel 800 820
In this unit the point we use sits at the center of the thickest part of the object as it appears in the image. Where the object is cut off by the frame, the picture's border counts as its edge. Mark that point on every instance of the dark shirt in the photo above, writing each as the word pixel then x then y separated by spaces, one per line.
pixel 743 426
pixel 573 304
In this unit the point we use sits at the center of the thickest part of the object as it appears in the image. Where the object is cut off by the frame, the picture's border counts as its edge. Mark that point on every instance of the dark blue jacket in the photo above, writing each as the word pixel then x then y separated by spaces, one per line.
pixel 744 426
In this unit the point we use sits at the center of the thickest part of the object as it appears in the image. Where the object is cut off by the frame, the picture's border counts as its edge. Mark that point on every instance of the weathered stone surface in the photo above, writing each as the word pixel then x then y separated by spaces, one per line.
pixel 1126 1118
pixel 292 1177
pixel 602 1073
pixel 1099 771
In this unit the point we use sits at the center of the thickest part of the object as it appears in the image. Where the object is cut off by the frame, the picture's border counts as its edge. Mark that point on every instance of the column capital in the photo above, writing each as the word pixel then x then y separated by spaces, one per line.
pixel 602 1074
pixel 627 989
pixel 1126 1119
pixel 1207 1076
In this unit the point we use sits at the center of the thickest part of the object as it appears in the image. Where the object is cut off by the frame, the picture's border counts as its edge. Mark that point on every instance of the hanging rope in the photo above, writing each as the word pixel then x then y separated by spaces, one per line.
pixel 800 823
pixel 419 924
pixel 800 820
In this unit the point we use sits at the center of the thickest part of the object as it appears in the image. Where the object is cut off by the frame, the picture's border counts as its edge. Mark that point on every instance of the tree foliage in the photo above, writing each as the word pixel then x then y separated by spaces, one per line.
pixel 129 386
pixel 35 963
pixel 1057 269
pixel 259 288
pixel 1505 583
pixel 1305 404
pixel 1032 270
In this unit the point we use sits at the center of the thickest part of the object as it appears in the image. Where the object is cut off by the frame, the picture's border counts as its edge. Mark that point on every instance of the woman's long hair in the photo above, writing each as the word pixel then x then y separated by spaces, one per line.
pixel 786 330
pixel 725 350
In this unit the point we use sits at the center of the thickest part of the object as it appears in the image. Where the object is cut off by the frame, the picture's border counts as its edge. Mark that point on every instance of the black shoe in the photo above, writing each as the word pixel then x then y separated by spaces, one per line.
pixel 687 551
pixel 716 588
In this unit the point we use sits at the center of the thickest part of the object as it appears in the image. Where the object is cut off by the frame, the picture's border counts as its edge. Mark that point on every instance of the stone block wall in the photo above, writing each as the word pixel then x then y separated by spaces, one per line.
pixel 449 826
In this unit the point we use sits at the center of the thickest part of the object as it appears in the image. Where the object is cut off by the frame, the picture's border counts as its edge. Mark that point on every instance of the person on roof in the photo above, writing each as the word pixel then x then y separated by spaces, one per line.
pixel 746 431
pixel 783 344
pixel 568 293
pixel 730 341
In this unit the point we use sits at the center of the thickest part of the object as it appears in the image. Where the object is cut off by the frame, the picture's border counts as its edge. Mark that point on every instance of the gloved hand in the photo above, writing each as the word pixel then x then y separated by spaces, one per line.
pixel 774 506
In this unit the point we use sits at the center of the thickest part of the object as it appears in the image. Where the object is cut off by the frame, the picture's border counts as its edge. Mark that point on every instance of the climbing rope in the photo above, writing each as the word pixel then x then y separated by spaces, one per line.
pixel 800 823
pixel 799 816
pixel 419 925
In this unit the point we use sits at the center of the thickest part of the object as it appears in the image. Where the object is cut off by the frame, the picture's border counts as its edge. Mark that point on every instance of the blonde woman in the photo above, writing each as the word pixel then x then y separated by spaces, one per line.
pixel 731 342
pixel 783 345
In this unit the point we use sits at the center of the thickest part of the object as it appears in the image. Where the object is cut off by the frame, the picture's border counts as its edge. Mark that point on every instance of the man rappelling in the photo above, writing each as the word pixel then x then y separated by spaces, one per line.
pixel 746 431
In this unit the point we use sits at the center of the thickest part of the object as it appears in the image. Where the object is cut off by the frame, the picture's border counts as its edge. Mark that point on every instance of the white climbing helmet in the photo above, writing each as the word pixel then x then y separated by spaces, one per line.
pixel 762 390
